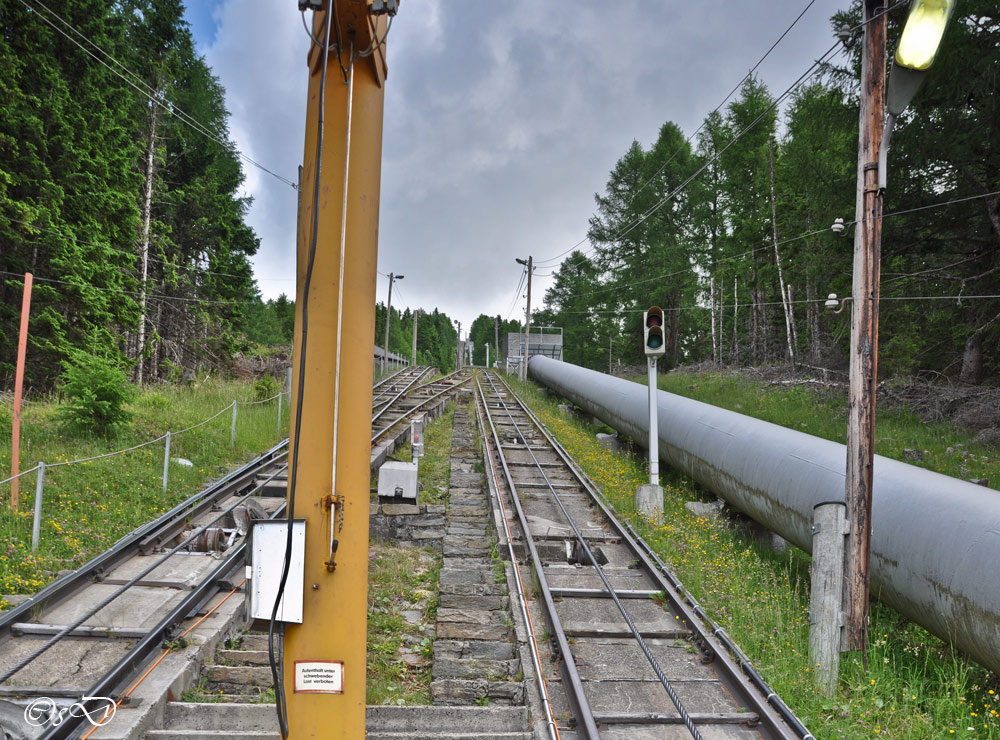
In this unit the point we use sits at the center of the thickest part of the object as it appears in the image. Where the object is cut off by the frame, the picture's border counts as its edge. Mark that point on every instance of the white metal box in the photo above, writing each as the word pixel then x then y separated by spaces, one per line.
pixel 398 480
pixel 267 559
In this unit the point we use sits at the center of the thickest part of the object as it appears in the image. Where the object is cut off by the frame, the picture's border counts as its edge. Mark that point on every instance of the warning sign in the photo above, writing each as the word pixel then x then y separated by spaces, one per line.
pixel 319 677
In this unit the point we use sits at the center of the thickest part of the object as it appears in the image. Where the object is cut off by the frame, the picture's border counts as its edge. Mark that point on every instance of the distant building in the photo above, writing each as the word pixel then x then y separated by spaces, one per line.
pixel 545 340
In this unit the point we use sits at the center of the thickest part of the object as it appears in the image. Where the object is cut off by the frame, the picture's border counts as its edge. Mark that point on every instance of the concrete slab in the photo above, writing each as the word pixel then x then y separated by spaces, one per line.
pixel 579 576
pixel 186 569
pixel 673 732
pixel 646 613
pixel 623 659
pixel 707 696
pixel 71 662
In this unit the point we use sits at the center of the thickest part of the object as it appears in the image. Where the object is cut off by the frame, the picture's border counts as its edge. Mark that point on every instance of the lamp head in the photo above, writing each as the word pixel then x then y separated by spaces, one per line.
pixel 922 34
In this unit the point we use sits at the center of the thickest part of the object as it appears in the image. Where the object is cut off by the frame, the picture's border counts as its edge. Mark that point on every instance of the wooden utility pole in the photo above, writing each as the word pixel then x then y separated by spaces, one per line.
pixel 458 348
pixel 388 317
pixel 22 349
pixel 496 337
pixel 527 323
pixel 413 358
pixel 864 330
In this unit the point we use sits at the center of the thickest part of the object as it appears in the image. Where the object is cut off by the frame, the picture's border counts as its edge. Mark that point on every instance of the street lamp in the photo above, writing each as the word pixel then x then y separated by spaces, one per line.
pixel 918 46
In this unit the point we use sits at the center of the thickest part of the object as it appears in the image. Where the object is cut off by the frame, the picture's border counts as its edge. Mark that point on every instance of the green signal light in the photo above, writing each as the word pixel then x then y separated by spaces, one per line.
pixel 655 342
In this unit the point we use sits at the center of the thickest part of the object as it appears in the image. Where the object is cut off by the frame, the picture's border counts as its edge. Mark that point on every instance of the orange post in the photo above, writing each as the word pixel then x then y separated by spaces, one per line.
pixel 22 346
pixel 324 656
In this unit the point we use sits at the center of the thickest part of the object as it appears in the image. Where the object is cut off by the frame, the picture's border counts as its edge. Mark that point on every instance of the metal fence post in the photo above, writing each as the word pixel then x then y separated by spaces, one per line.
pixel 166 463
pixel 36 527
pixel 280 396
pixel 232 434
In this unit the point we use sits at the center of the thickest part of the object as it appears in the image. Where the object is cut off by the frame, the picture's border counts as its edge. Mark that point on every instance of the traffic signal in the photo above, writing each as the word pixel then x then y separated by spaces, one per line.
pixel 653 332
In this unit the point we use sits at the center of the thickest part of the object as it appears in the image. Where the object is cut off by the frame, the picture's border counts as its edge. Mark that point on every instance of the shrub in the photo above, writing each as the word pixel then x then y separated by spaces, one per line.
pixel 97 391
pixel 265 387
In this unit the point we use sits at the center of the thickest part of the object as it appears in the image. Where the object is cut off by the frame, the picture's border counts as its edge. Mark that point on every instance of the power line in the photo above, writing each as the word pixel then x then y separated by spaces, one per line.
pixel 803 301
pixel 697 130
pixel 517 294
pixel 768 247
pixel 816 66
pixel 81 242
pixel 91 286
pixel 152 95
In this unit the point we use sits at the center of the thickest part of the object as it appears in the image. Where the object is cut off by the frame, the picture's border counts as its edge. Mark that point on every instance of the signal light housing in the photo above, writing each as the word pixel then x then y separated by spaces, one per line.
pixel 652 333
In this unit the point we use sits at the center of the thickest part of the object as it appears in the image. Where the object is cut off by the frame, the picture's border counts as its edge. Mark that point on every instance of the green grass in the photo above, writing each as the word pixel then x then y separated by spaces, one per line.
pixel 915 687
pixel 89 506
pixel 400 579
pixel 823 412
pixel 434 471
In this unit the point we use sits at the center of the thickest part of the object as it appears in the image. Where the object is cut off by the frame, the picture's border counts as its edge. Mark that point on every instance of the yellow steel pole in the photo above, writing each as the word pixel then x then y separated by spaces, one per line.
pixel 333 630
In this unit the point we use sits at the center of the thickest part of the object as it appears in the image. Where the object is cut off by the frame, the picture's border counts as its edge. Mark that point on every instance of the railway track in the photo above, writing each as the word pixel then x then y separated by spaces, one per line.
pixel 387 419
pixel 626 654
pixel 391 388
pixel 88 633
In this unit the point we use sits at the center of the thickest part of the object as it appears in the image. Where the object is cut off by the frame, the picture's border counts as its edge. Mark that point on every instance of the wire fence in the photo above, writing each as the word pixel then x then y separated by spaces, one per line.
pixel 19 522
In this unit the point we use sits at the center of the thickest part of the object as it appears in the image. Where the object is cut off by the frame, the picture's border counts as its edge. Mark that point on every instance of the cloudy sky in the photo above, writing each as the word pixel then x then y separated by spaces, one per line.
pixel 502 120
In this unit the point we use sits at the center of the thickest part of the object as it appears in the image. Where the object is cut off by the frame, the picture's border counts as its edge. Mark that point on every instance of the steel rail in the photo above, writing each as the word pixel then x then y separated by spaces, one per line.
pixel 125 667
pixel 388 378
pixel 126 547
pixel 384 406
pixel 70 583
pixel 685 716
pixel 586 725
pixel 131 582
pixel 379 392
pixel 739 674
pixel 236 486
pixel 522 597
pixel 382 432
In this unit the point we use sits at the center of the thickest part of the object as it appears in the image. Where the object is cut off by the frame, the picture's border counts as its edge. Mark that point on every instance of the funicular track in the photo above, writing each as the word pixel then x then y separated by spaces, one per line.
pixel 396 385
pixel 390 416
pixel 635 656
pixel 89 632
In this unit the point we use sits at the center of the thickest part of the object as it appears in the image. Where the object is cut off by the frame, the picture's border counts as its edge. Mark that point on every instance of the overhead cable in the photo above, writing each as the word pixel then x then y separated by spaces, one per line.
pixel 145 90
pixel 697 130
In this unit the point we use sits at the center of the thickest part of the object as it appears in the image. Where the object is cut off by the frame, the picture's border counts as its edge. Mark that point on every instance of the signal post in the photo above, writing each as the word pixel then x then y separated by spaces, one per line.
pixel 333 371
pixel 649 497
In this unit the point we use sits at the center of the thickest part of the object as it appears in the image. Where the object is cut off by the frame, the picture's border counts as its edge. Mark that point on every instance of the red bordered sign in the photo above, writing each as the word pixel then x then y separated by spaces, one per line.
pixel 319 677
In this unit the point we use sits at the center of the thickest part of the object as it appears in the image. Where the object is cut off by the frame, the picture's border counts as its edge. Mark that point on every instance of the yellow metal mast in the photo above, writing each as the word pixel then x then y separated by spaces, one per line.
pixel 334 379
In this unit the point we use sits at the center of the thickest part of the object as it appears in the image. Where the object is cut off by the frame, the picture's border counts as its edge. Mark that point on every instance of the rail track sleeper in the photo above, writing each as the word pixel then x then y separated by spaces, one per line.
pixel 615 633
pixel 656 718
pixel 521 435
pixel 597 593
pixel 52 692
pixel 32 629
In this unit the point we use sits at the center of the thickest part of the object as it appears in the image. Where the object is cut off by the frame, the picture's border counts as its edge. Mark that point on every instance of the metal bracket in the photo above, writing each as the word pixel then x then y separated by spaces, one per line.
pixel 337 503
